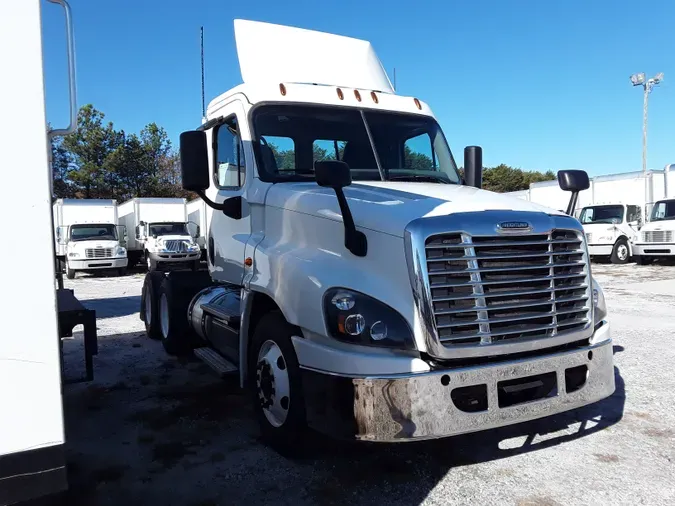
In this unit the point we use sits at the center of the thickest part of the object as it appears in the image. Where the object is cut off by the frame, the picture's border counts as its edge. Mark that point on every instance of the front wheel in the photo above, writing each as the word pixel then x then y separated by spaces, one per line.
pixel 150 304
pixel 620 252
pixel 122 271
pixel 274 375
pixel 70 273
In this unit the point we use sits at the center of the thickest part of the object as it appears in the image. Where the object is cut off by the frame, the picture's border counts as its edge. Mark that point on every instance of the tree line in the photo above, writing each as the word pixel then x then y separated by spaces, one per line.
pixel 97 161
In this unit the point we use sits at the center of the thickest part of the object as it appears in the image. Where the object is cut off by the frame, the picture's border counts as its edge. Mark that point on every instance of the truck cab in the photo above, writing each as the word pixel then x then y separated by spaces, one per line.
pixel 611 230
pixel 87 236
pixel 357 283
pixel 657 237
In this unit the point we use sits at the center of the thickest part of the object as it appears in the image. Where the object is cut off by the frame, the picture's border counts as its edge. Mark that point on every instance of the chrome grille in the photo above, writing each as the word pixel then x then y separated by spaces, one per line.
pixel 176 246
pixel 98 253
pixel 495 289
pixel 657 236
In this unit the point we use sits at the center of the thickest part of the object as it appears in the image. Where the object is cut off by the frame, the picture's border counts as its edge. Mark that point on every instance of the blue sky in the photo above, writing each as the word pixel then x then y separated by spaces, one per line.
pixel 539 84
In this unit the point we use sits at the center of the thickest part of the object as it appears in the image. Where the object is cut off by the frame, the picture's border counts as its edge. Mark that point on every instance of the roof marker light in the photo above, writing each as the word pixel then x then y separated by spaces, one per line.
pixel 373 95
pixel 340 94
pixel 357 95
pixel 418 104
pixel 282 89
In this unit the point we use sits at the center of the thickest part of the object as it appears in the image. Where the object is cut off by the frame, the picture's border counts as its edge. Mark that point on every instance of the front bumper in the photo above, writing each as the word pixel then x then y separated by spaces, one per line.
pixel 600 249
pixel 93 264
pixel 655 249
pixel 432 405
pixel 167 256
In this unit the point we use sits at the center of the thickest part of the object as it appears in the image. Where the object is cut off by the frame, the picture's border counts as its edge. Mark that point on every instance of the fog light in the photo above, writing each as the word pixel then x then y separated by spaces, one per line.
pixel 378 331
pixel 355 324
pixel 343 301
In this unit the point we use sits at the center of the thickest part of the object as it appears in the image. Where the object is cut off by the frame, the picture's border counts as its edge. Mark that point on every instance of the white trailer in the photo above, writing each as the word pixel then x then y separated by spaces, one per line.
pixel 347 290
pixel 88 237
pixel 32 456
pixel 158 232
pixel 199 215
pixel 612 210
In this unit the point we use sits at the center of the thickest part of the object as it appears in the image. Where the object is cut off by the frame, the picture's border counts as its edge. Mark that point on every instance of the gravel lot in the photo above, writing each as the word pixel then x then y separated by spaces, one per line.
pixel 151 429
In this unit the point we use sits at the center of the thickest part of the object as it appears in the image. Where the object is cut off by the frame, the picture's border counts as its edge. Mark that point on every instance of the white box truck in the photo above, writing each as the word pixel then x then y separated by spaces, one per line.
pixel 158 233
pixel 88 237
pixel 32 439
pixel 199 215
pixel 356 283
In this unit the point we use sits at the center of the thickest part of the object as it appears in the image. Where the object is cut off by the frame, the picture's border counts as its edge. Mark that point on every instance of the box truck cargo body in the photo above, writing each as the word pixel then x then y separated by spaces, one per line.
pixel 158 232
pixel 87 236
pixel 199 215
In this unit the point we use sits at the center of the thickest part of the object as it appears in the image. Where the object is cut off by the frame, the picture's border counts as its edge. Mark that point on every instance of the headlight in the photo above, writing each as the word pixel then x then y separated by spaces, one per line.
pixel 121 251
pixel 73 255
pixel 599 305
pixel 355 318
pixel 193 247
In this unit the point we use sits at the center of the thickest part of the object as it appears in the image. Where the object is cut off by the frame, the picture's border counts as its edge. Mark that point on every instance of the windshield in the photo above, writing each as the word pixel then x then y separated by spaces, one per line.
pixel 158 229
pixel 409 147
pixel 602 214
pixel 86 232
pixel 663 210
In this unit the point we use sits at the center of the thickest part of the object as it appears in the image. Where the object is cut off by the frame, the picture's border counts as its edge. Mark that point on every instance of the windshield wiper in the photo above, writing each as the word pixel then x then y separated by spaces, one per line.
pixel 417 177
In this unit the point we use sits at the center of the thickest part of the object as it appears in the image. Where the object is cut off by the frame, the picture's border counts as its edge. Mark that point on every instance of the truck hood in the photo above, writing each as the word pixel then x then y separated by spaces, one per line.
pixel 388 207
pixel 92 244
pixel 658 225
pixel 164 238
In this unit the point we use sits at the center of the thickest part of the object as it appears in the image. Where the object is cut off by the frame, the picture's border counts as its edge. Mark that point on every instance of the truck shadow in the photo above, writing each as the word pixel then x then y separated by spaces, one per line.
pixel 114 307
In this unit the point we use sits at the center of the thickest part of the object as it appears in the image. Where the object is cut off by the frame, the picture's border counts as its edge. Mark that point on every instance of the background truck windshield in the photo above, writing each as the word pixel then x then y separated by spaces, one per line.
pixel 86 232
pixel 602 214
pixel 289 139
pixel 157 229
pixel 663 210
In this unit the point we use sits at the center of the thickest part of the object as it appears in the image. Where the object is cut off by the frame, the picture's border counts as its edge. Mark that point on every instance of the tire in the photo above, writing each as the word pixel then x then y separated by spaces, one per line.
pixel 150 263
pixel 122 271
pixel 150 305
pixel 282 423
pixel 643 260
pixel 70 273
pixel 175 295
pixel 620 252
pixel 196 265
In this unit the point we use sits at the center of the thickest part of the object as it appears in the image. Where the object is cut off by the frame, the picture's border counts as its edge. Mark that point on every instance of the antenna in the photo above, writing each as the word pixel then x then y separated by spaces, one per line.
pixel 203 100
pixel 394 78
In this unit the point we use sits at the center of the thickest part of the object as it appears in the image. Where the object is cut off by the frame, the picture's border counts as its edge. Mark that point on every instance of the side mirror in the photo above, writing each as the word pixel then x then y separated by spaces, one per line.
pixel 336 175
pixel 573 181
pixel 634 223
pixel 194 161
pixel 473 166
pixel 332 174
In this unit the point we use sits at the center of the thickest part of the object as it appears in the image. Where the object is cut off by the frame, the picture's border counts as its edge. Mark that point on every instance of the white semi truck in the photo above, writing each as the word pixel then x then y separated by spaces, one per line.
pixel 32 440
pixel 657 238
pixel 356 283
pixel 159 233
pixel 88 237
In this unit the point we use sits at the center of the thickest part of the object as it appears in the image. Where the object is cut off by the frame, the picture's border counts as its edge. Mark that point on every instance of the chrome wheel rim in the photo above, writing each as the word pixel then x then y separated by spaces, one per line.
pixel 164 315
pixel 622 252
pixel 273 385
pixel 148 306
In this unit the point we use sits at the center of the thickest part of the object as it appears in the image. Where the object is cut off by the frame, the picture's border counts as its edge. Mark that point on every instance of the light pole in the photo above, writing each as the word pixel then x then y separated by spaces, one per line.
pixel 647 85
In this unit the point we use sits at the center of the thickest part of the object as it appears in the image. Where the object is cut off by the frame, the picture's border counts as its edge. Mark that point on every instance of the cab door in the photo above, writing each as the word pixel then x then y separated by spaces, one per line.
pixel 231 169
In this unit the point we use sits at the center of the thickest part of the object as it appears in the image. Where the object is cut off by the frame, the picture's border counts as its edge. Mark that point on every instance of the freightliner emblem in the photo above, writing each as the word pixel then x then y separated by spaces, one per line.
pixel 513 226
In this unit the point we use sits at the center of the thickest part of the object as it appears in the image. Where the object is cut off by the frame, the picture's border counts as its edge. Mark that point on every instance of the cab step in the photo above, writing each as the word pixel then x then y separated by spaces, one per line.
pixel 215 361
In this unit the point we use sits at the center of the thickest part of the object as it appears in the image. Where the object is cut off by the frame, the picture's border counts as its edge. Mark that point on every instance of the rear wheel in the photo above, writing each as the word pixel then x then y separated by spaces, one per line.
pixel 277 384
pixel 150 304
pixel 620 253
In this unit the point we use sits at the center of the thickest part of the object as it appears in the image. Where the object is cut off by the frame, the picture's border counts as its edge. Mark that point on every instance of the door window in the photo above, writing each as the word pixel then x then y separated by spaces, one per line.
pixel 230 164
